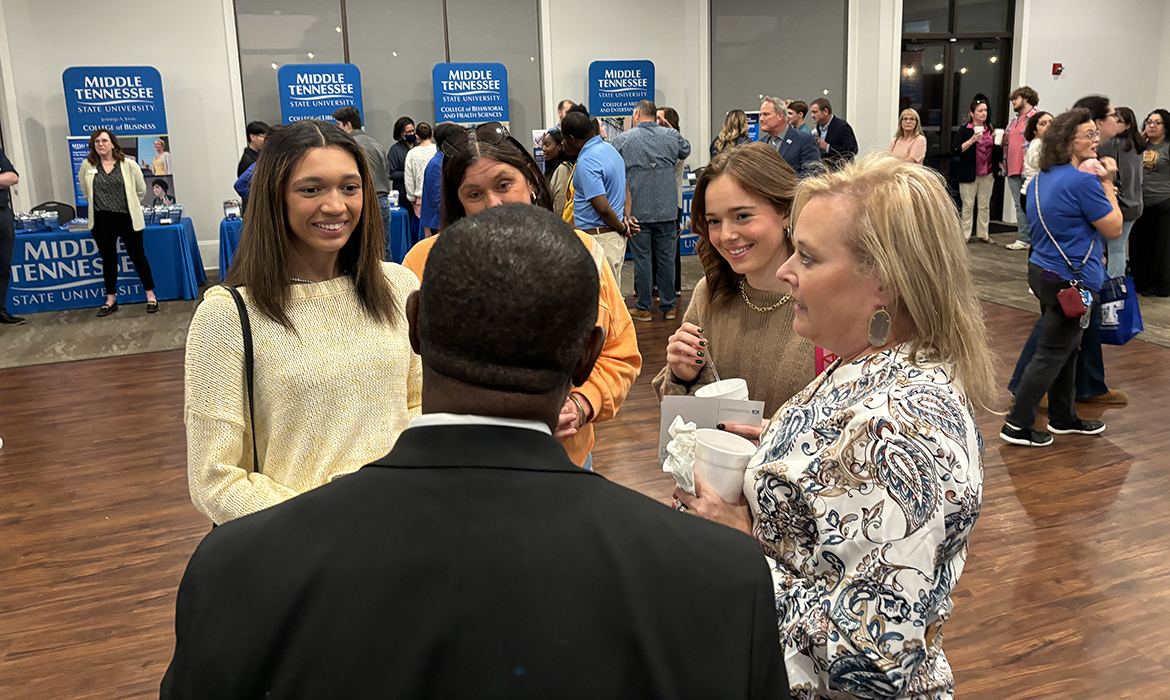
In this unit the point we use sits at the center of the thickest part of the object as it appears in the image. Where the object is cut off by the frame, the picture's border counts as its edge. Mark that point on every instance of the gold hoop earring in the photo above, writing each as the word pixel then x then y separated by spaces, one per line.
pixel 879 328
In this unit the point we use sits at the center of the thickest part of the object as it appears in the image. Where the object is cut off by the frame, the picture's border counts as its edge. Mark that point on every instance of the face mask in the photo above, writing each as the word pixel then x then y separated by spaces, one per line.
pixel 410 138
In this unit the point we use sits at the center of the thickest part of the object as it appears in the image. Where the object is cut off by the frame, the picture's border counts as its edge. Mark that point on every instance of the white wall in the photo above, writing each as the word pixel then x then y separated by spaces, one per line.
pixel 673 35
pixel 194 50
pixel 872 69
pixel 1122 51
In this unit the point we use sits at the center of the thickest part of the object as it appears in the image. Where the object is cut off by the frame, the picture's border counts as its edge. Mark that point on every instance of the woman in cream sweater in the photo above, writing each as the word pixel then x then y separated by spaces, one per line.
pixel 739 322
pixel 335 379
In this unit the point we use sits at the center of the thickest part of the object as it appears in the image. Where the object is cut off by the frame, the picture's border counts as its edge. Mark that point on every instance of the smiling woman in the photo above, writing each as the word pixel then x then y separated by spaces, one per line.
pixel 739 322
pixel 335 378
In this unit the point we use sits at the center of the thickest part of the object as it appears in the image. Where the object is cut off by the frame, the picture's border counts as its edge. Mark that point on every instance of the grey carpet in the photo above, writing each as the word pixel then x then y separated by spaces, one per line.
pixel 65 336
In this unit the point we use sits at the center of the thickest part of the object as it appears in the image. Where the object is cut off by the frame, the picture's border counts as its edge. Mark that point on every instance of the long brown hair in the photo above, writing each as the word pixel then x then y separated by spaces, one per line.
pixel 116 151
pixel 508 152
pixel 761 172
pixel 261 263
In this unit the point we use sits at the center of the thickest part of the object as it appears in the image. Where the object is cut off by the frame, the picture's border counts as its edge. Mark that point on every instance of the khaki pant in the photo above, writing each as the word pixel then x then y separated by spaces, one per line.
pixel 971 193
pixel 614 245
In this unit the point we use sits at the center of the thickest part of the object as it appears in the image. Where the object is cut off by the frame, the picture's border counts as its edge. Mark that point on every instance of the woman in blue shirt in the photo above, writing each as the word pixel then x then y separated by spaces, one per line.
pixel 1075 211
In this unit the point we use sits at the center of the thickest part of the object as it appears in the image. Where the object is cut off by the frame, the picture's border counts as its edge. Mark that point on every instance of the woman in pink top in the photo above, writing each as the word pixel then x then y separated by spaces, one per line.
pixel 979 158
pixel 909 143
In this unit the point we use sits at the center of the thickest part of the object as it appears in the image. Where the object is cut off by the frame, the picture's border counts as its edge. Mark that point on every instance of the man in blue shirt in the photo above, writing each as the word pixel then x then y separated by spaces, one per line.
pixel 432 189
pixel 797 148
pixel 650 152
pixel 599 189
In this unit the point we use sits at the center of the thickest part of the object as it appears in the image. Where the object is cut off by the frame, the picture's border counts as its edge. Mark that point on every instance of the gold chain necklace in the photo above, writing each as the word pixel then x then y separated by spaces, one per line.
pixel 761 309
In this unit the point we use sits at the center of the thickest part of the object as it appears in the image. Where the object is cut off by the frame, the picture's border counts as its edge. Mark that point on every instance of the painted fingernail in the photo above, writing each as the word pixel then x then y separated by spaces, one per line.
pixel 703 343
pixel 698 362
pixel 700 330
pixel 700 354
pixel 721 426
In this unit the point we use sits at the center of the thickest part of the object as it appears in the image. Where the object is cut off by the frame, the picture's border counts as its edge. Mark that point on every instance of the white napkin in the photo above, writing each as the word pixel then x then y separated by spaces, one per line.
pixel 680 459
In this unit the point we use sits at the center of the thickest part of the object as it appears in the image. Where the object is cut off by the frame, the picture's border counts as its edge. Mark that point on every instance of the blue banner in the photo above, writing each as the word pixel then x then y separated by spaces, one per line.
pixel 616 87
pixel 78 152
pixel 126 100
pixel 753 122
pixel 470 93
pixel 317 90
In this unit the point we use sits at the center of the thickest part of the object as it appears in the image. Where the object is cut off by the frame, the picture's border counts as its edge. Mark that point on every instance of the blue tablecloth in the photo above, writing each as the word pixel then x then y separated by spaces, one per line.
pixel 229 239
pixel 54 270
pixel 400 238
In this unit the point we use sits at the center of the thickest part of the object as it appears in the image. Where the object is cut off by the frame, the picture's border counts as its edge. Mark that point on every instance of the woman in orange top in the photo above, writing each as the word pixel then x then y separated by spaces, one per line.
pixel 485 168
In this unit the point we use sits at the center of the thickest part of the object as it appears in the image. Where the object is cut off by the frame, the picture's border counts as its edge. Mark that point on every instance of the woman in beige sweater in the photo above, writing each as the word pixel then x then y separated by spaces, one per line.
pixel 739 322
pixel 335 379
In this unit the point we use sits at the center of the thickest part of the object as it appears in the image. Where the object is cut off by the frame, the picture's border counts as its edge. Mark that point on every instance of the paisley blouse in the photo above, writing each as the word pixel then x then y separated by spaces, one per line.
pixel 864 492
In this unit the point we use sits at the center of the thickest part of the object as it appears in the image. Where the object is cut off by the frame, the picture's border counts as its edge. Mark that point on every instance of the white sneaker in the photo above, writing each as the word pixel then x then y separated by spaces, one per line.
pixel 1017 245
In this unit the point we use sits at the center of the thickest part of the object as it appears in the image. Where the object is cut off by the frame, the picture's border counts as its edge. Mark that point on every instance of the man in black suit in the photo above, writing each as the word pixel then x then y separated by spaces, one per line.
pixel 476 559
pixel 834 135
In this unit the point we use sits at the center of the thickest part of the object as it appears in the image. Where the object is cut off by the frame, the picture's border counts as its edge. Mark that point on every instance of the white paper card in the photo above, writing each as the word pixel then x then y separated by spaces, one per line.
pixel 706 413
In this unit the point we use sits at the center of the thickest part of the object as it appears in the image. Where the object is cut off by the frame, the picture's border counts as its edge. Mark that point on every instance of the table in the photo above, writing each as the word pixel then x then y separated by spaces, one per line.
pixel 229 239
pixel 59 269
pixel 400 238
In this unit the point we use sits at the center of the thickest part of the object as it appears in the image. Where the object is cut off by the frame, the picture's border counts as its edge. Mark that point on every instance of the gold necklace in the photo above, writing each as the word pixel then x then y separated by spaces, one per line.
pixel 761 309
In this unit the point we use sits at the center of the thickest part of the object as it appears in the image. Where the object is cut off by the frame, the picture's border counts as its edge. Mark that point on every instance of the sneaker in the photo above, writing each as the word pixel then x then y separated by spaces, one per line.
pixel 1113 397
pixel 1024 436
pixel 670 315
pixel 639 315
pixel 1081 427
pixel 1017 245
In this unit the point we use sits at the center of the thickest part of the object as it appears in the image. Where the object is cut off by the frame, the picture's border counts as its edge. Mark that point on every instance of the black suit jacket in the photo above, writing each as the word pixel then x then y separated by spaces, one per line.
pixel 246 159
pixel 967 165
pixel 475 561
pixel 842 142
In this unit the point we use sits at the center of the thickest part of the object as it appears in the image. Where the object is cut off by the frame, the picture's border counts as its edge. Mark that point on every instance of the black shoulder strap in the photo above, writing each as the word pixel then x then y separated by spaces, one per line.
pixel 246 330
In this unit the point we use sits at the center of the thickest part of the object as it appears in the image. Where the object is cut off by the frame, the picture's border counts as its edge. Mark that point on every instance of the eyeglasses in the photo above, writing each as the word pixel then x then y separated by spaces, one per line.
pixel 493 133
pixel 1152 122
pixel 1091 135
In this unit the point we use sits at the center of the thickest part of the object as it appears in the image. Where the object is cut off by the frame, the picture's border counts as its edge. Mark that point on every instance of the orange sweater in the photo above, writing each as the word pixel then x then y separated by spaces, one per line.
pixel 616 369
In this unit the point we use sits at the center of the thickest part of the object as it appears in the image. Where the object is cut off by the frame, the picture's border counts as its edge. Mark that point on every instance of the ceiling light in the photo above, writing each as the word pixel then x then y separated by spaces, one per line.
pixel 963 71
pixel 826 92
pixel 338 29
pixel 938 66
pixel 273 66
pixel 993 59
pixel 310 54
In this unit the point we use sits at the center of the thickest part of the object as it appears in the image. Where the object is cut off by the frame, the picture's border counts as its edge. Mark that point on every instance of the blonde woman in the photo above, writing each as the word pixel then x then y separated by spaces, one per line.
pixel 867 484
pixel 909 143
pixel 733 133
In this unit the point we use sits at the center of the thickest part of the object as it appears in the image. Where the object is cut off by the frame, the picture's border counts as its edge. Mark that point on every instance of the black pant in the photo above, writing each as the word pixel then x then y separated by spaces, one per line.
pixel 1053 368
pixel 7 241
pixel 1149 251
pixel 108 227
pixel 677 260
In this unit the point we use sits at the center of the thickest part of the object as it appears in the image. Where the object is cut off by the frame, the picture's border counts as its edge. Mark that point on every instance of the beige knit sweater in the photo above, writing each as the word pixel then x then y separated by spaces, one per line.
pixel 329 399
pixel 759 347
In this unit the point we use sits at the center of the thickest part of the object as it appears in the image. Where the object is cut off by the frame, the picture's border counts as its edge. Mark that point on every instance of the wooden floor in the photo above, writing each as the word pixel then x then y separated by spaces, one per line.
pixel 1066 592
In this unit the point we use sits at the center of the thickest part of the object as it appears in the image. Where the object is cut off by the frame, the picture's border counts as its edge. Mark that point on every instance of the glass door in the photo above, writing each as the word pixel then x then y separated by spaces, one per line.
pixel 923 89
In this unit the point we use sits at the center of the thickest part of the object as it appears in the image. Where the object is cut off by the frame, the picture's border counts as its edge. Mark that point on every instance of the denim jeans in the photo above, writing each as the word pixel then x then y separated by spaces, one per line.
pixel 658 239
pixel 1115 250
pixel 384 205
pixel 1052 370
pixel 1014 183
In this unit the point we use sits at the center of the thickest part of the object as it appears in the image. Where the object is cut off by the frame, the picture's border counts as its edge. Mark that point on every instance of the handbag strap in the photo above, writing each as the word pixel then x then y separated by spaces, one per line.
pixel 1076 271
pixel 246 330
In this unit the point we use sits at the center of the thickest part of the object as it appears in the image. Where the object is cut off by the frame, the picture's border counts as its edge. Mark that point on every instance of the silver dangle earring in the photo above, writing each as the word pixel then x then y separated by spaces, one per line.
pixel 879 328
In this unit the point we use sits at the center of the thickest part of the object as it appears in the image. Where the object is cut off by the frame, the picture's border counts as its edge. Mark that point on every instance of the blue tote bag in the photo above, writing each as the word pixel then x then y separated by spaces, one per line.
pixel 1121 318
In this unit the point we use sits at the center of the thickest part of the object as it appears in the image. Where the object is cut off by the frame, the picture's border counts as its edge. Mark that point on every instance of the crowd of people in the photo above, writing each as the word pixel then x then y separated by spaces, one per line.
pixel 402 455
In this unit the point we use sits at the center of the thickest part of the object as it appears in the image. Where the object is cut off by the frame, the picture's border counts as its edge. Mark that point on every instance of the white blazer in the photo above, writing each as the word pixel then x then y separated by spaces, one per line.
pixel 135 188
